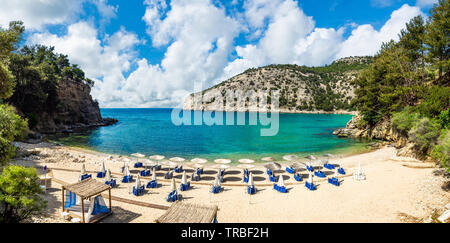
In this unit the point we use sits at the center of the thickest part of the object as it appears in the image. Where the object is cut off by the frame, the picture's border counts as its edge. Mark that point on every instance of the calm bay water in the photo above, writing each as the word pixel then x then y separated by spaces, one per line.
pixel 151 131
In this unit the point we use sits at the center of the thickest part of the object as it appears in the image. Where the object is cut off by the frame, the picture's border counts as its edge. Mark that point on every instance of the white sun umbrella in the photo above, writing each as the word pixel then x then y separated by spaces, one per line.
pixel 108 175
pixel 199 165
pixel 272 166
pixel 216 182
pixel 335 172
pixel 222 167
pixel 83 169
pixel 102 167
pixel 199 160
pixel 281 181
pixel 310 178
pixel 290 157
pixel 268 159
pixel 153 174
pixel 126 160
pixel 222 161
pixel 156 157
pixel 173 185
pixel 311 157
pixel 183 178
pixel 127 171
pixel 246 161
pixel 245 166
pixel 138 182
pixel 250 180
pixel 177 159
pixel 138 155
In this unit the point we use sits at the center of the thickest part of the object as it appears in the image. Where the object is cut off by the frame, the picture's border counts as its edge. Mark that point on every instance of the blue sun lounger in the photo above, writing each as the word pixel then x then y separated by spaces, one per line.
pixel 222 173
pixel 127 179
pixel 329 166
pixel 269 172
pixel 298 177
pixel 311 186
pixel 246 173
pixel 85 176
pixel 101 174
pixel 138 191
pixel 341 171
pixel 179 169
pixel 310 168
pixel 199 171
pixel 280 189
pixel 245 178
pixel 168 175
pixel 173 196
pixel 138 165
pixel 251 190
pixel 216 189
pixel 185 187
pixel 333 181
pixel 290 170
pixel 272 178
pixel 145 172
pixel 320 174
pixel 111 183
pixel 196 177
pixel 152 184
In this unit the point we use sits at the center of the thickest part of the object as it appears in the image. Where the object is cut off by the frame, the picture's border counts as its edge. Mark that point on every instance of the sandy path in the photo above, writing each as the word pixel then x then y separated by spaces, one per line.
pixel 390 189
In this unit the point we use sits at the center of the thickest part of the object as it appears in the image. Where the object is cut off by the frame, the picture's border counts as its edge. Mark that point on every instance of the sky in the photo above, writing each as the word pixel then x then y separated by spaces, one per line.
pixel 153 53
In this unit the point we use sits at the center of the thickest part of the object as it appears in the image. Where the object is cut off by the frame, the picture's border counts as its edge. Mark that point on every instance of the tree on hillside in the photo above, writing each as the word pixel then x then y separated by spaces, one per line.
pixel 437 40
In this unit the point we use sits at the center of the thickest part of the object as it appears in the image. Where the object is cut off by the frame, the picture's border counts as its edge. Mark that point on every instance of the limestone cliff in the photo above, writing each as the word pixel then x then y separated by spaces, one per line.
pixel 76 110
pixel 301 89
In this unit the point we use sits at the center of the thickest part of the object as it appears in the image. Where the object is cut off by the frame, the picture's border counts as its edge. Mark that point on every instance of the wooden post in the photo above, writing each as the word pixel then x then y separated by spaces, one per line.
pixel 62 198
pixel 82 209
pixel 110 206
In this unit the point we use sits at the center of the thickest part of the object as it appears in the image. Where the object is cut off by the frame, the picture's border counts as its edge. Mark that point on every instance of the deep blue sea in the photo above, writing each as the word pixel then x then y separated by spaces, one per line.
pixel 151 131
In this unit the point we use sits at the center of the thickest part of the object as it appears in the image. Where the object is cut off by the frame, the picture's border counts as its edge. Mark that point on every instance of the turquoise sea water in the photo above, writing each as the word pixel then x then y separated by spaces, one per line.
pixel 151 131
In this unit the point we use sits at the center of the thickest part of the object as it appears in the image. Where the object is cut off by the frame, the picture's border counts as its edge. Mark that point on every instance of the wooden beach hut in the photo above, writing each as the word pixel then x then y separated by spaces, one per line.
pixel 181 212
pixel 83 200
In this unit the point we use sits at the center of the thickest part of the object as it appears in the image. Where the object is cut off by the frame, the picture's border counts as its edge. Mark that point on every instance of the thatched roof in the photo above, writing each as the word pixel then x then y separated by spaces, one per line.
pixel 87 188
pixel 188 213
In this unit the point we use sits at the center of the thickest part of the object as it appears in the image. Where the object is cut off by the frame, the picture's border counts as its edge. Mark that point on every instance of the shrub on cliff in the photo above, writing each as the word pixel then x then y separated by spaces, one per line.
pixel 12 127
pixel 441 152
pixel 424 134
pixel 19 194
pixel 405 120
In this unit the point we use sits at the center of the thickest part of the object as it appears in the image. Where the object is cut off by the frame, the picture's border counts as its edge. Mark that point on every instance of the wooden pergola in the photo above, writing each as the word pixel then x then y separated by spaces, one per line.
pixel 188 213
pixel 85 190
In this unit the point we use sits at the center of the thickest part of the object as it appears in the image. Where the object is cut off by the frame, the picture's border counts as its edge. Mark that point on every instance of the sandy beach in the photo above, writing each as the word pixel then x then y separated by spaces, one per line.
pixel 397 189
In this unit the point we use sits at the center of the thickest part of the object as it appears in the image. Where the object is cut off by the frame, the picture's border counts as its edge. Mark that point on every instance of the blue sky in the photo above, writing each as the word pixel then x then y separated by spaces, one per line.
pixel 152 53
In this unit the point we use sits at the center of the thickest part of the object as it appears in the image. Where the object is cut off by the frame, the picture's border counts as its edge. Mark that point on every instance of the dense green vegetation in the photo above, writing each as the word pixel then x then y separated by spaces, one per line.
pixel 19 194
pixel 19 188
pixel 409 82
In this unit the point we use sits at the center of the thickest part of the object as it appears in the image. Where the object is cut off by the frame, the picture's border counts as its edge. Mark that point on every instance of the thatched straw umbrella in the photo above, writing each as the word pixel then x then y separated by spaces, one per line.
pixel 268 159
pixel 156 157
pixel 311 157
pixel 138 155
pixel 222 161
pixel 177 159
pixel 246 161
pixel 272 166
pixel 199 160
pixel 290 157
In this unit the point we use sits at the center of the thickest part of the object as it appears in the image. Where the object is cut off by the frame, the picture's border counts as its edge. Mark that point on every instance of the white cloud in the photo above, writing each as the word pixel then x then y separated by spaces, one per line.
pixel 426 3
pixel 365 40
pixel 198 39
pixel 105 60
pixel 36 14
